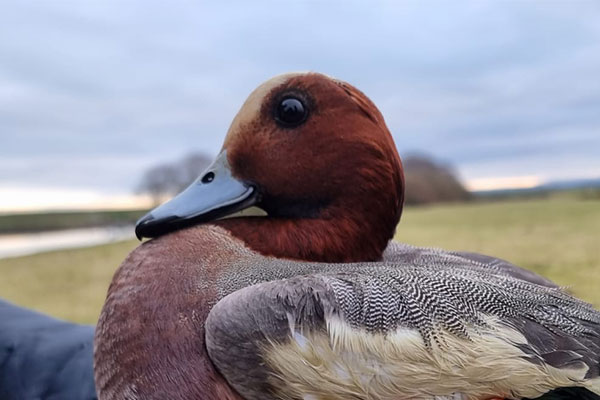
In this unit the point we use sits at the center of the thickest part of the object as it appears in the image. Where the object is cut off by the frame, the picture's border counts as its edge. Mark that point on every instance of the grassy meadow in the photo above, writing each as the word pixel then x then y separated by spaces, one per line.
pixel 36 222
pixel 557 237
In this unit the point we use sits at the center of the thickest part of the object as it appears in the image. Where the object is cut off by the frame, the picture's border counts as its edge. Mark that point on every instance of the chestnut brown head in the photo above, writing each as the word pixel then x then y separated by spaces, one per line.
pixel 303 147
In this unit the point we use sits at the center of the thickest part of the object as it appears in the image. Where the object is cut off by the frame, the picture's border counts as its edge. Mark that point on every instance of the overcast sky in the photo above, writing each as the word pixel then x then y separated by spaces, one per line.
pixel 94 92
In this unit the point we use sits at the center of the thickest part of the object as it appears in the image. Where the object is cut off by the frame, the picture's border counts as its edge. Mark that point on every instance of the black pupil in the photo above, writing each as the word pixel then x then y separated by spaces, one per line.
pixel 291 111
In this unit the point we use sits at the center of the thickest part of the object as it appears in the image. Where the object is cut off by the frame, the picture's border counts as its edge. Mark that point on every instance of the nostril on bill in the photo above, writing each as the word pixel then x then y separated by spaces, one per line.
pixel 208 177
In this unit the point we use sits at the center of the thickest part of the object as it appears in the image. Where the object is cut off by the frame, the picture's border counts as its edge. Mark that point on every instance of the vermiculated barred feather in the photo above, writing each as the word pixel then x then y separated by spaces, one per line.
pixel 434 291
pixel 445 297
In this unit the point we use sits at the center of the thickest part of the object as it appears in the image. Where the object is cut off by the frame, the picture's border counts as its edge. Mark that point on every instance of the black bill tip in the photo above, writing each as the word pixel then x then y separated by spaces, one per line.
pixel 149 227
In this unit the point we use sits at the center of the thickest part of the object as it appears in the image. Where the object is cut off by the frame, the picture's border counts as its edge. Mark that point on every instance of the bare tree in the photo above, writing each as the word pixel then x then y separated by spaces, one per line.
pixel 166 180
pixel 428 181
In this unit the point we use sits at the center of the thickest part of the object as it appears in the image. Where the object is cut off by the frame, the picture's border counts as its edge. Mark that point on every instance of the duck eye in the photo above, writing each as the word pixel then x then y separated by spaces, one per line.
pixel 291 112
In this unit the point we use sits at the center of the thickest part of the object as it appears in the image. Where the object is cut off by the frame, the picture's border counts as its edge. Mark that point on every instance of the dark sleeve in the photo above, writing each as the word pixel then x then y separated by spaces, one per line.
pixel 44 358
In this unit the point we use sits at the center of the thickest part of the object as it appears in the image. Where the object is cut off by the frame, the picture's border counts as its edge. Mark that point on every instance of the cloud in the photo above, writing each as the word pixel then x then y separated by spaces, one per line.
pixel 105 88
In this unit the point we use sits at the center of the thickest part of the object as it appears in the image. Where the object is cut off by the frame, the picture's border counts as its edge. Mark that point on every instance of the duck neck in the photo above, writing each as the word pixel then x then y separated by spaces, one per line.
pixel 335 235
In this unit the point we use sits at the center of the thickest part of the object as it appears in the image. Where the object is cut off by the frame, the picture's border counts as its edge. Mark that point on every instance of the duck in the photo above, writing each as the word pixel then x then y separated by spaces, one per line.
pixel 312 300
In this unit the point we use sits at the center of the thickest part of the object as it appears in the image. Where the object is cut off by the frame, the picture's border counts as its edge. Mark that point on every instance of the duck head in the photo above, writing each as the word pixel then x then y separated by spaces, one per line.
pixel 315 154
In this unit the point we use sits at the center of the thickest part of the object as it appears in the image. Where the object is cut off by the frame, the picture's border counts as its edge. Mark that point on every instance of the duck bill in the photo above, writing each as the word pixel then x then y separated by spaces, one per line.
pixel 215 194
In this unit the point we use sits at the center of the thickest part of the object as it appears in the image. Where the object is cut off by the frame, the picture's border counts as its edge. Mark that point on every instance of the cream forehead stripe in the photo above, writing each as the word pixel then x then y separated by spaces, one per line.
pixel 348 363
pixel 253 103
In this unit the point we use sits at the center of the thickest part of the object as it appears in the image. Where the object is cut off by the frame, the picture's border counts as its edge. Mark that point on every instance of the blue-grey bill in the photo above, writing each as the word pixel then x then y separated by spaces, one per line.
pixel 202 201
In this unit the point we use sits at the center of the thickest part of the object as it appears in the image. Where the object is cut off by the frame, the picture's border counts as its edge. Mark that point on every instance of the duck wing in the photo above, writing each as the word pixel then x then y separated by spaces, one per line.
pixel 402 252
pixel 572 393
pixel 390 330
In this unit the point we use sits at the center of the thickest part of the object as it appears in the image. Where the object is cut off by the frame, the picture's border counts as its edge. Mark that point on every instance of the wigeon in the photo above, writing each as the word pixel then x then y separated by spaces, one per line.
pixel 310 301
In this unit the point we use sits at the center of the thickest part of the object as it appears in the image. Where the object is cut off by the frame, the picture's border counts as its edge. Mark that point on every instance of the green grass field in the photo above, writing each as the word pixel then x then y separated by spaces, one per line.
pixel 558 238
pixel 36 222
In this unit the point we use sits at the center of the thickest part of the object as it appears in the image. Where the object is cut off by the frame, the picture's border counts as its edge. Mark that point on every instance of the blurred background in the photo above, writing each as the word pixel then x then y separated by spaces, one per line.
pixel 109 107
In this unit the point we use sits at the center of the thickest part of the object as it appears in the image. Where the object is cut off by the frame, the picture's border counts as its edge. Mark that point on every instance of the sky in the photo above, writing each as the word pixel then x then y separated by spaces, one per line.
pixel 93 93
